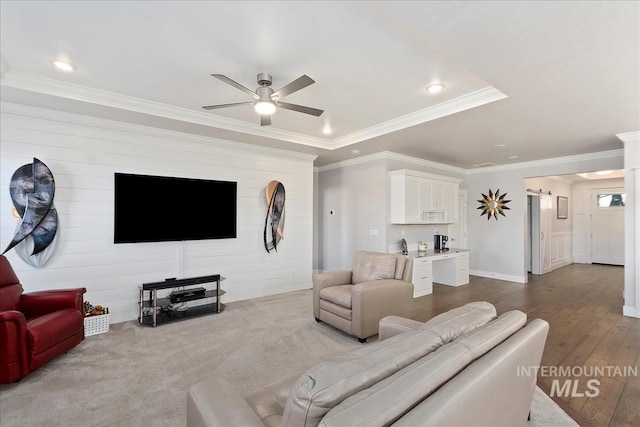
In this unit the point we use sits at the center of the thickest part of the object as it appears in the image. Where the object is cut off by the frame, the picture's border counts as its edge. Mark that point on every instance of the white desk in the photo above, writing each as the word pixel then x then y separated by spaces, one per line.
pixel 448 268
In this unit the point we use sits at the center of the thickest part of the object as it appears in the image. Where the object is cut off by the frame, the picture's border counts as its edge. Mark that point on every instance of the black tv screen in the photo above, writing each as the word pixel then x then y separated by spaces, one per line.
pixel 159 209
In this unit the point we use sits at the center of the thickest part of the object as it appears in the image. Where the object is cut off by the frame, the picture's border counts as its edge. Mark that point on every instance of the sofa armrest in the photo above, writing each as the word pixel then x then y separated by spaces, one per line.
pixel 36 304
pixel 332 278
pixel 324 280
pixel 214 402
pixel 391 326
pixel 371 301
pixel 14 363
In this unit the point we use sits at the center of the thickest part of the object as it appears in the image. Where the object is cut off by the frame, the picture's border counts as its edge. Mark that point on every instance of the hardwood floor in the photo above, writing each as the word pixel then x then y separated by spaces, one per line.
pixel 583 305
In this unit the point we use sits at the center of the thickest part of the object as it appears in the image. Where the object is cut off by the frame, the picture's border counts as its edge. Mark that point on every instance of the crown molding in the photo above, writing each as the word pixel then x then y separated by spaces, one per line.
pixel 389 155
pixel 632 137
pixel 32 83
pixel 118 126
pixel 452 106
pixel 43 85
pixel 561 179
pixel 427 175
pixel 549 162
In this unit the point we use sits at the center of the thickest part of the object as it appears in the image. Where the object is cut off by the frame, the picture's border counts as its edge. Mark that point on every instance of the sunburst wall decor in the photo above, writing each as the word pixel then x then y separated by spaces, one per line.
pixel 493 204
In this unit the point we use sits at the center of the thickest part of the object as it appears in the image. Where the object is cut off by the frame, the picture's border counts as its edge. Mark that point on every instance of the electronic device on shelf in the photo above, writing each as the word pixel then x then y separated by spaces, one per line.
pixel 440 242
pixel 187 295
pixel 155 309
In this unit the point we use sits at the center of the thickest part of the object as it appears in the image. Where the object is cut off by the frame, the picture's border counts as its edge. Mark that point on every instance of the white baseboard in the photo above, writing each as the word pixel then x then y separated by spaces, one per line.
pixel 498 276
pixel 561 263
pixel 629 310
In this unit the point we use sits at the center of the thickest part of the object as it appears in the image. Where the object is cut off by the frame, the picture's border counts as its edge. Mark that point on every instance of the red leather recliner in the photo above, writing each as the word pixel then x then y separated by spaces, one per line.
pixel 35 327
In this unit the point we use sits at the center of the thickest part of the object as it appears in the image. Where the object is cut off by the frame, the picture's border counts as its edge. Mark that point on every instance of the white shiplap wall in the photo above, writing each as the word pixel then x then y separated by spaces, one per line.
pixel 84 153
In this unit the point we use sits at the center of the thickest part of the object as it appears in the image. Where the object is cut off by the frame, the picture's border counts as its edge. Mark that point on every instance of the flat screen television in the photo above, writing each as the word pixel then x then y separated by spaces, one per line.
pixel 160 209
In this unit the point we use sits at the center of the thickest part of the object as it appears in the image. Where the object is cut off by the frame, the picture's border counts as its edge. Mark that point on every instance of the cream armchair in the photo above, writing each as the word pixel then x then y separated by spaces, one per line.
pixel 378 285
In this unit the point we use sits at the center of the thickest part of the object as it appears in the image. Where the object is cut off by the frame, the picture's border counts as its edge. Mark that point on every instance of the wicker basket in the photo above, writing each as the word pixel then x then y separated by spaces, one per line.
pixel 94 325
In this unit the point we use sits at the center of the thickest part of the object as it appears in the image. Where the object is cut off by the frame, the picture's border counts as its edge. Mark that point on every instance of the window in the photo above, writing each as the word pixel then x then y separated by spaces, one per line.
pixel 611 200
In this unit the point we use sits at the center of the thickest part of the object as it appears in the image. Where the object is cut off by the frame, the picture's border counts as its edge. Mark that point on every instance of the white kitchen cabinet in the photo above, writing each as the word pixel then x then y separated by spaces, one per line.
pixel 422 277
pixel 450 202
pixel 422 198
pixel 405 199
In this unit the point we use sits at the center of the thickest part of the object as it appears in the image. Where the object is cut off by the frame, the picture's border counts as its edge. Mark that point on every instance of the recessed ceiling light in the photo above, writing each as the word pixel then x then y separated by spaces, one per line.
pixel 327 130
pixel 513 157
pixel 499 146
pixel 64 65
pixel 354 152
pixel 436 87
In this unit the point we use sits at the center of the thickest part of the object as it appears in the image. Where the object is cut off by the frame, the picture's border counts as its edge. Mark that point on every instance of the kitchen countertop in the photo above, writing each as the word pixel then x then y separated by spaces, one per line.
pixel 431 253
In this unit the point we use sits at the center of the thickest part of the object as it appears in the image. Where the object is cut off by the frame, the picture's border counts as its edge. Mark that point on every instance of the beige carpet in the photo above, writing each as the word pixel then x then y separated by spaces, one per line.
pixel 139 376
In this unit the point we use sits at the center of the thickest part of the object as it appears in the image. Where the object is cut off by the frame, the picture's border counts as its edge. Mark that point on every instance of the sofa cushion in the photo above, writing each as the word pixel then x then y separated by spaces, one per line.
pixel 372 266
pixel 401 262
pixel 388 400
pixel 385 402
pixel 339 295
pixel 328 384
pixel 483 339
pixel 338 310
pixel 460 320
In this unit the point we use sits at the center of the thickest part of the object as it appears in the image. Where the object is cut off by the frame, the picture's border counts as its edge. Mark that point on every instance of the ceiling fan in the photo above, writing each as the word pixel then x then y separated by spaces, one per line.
pixel 266 100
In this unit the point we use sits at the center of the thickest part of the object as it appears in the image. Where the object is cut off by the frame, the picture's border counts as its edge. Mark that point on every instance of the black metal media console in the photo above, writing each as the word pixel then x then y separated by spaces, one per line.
pixel 154 310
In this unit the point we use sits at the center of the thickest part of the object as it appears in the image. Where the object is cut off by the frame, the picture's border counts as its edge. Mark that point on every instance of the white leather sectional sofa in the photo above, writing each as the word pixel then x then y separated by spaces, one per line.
pixel 459 368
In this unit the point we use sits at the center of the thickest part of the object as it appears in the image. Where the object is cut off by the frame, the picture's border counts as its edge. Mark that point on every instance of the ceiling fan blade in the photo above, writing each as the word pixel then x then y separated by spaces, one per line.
pixel 300 108
pixel 213 107
pixel 235 84
pixel 299 83
pixel 265 120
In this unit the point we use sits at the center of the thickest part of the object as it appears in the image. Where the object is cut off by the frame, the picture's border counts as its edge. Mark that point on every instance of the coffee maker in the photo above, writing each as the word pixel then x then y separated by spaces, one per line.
pixel 440 242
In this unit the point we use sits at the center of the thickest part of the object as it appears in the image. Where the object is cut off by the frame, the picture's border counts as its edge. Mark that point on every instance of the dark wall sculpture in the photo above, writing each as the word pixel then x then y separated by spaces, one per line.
pixel 32 189
pixel 274 222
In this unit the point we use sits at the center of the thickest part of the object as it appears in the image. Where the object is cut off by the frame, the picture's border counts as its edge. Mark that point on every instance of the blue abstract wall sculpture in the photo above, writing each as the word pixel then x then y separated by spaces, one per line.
pixel 32 189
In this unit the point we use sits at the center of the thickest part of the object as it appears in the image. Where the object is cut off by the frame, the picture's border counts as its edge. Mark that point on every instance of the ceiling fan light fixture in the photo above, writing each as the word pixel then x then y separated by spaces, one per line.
pixel 265 107
pixel 64 65
pixel 436 87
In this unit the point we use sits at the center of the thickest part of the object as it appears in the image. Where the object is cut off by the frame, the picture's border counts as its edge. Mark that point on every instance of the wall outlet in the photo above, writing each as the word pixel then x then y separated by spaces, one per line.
pixel 373 232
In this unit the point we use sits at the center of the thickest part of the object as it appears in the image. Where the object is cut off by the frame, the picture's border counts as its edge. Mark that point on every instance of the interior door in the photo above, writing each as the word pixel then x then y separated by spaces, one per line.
pixel 607 226
pixel 540 211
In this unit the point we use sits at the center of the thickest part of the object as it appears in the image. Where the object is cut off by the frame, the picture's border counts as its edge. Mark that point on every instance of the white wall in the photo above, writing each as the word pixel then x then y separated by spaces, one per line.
pixel 498 247
pixel 351 203
pixel 84 153
pixel 358 192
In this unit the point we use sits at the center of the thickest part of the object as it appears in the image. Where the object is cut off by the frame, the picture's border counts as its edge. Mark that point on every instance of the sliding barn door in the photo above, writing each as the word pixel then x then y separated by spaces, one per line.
pixel 546 216
pixel 540 211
